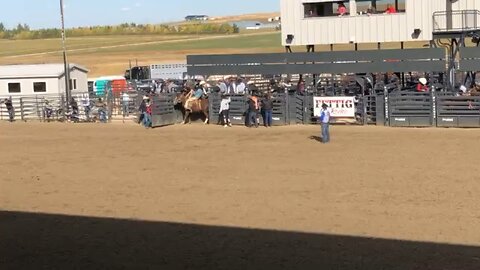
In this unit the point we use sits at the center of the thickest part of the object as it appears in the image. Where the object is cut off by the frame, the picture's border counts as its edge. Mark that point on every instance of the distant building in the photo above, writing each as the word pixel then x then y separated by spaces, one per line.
pixel 20 80
pixel 196 18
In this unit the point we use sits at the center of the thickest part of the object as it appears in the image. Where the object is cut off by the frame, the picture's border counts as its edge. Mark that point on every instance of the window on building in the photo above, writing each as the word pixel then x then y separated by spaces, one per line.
pixel 340 8
pixel 14 88
pixel 326 9
pixel 73 84
pixel 39 87
pixel 380 6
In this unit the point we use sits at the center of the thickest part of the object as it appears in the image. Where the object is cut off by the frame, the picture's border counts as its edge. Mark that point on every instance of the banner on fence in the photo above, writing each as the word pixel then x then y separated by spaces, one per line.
pixel 341 106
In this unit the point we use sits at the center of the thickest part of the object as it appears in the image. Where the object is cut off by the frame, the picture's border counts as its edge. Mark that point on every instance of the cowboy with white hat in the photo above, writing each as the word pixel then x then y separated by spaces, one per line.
pixel 422 85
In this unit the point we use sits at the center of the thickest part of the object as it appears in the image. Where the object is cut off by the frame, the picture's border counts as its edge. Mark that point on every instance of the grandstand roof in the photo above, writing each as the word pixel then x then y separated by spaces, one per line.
pixel 36 71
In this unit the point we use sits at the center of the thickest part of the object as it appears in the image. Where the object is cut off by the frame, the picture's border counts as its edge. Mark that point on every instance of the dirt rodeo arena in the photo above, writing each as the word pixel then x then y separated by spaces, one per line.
pixel 203 197
pixel 117 196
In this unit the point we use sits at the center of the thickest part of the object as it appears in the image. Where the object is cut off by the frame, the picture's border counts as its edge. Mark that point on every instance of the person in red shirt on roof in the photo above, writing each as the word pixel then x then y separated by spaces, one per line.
pixel 390 9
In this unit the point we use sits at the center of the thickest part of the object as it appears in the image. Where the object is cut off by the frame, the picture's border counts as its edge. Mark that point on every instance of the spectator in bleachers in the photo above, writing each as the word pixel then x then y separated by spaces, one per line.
pixel 10 109
pixel 225 111
pixel 240 90
pixel 267 107
pixel 253 108
pixel 422 85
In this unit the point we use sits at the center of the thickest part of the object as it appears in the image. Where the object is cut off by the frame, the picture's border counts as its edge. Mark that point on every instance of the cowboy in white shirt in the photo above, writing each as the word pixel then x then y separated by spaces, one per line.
pixel 225 111
pixel 240 88
pixel 325 115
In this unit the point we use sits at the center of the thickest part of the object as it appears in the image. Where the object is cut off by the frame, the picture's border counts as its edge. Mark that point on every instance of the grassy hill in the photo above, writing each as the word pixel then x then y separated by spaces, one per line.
pixel 109 55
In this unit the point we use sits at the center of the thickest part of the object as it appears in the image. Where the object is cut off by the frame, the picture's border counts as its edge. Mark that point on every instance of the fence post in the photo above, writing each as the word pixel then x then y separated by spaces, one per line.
pixel 211 98
pixel 434 106
pixel 305 109
pixel 364 103
pixel 287 108
pixel 21 110
pixel 387 116
pixel 62 106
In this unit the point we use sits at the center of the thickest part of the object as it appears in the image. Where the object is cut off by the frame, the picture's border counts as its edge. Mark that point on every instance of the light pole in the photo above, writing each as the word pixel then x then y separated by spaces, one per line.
pixel 65 62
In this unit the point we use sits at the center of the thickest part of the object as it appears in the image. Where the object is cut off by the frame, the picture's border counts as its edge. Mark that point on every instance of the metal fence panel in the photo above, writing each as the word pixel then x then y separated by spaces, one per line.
pixel 458 111
pixel 163 111
pixel 410 110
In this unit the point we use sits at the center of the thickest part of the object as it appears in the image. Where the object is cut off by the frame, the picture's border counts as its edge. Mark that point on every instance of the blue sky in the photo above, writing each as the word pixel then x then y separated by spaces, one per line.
pixel 44 13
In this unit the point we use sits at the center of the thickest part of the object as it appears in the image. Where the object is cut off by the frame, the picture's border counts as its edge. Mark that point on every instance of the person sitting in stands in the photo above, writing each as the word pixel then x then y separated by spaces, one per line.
pixel 422 85
pixel 342 10
pixel 390 9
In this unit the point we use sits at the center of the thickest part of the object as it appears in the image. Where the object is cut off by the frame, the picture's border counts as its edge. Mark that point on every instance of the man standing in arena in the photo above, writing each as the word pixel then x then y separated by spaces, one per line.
pixel 325 115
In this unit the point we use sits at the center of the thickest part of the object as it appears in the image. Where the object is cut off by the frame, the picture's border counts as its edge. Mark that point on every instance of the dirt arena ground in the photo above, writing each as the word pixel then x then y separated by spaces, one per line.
pixel 204 197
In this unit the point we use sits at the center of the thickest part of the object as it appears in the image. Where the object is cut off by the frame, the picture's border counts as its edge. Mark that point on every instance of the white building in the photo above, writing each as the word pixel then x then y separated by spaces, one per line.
pixel 22 80
pixel 315 22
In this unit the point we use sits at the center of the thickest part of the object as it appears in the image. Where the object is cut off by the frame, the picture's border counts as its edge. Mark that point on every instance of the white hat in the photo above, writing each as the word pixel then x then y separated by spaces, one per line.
pixel 423 81
pixel 250 82
pixel 463 88
pixel 202 82
pixel 145 97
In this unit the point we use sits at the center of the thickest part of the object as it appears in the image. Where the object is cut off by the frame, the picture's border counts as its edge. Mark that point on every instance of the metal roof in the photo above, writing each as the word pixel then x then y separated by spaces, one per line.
pixel 36 71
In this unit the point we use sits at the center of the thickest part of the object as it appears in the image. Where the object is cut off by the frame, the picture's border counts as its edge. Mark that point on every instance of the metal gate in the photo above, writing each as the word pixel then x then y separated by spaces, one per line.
pixel 460 111
pixel 410 109
pixel 163 111
pixel 280 108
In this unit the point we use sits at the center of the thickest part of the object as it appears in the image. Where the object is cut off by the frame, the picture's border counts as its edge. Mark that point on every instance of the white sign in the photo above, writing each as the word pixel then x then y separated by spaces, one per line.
pixel 340 106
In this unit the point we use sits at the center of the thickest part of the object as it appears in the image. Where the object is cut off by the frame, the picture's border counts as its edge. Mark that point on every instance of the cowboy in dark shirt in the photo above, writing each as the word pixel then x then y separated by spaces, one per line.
pixel 267 107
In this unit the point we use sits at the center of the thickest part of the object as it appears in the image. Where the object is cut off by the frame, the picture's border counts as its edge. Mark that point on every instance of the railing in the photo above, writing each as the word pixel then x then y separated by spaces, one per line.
pixel 33 107
pixel 455 21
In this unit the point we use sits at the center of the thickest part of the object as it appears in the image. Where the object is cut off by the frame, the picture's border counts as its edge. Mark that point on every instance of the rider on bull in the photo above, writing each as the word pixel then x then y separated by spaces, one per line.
pixel 197 94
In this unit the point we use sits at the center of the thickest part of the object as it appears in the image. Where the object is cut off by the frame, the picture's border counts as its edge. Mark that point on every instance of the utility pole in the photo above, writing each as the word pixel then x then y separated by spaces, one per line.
pixel 65 62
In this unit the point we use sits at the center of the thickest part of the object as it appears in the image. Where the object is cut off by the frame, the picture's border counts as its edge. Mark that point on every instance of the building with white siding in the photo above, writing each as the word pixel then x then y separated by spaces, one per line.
pixel 317 22
pixel 22 80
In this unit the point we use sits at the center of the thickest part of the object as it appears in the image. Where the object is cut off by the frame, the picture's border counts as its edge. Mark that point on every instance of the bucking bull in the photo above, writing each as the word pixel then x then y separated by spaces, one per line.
pixel 190 105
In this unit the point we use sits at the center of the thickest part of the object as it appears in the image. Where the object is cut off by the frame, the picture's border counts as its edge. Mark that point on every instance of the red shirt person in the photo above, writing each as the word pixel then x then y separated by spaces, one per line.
pixel 390 9
pixel 422 85
pixel 342 10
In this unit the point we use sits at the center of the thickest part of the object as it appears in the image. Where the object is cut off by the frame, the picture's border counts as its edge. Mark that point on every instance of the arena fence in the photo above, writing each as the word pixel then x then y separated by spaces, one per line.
pixel 396 109
pixel 35 107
